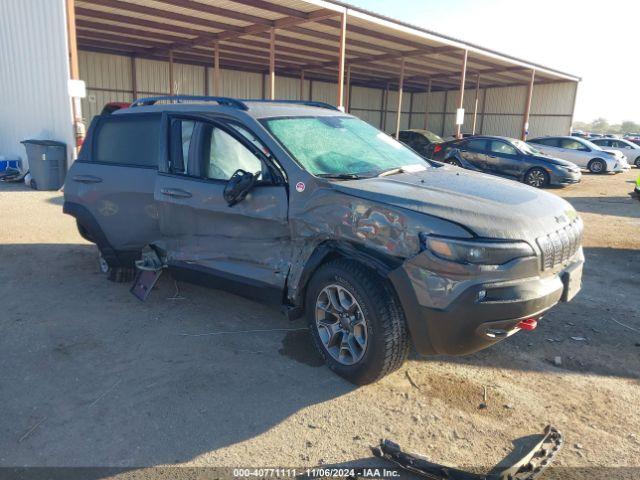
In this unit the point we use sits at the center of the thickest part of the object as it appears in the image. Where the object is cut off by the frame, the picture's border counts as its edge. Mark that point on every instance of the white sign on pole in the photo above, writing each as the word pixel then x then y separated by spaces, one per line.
pixel 460 116
pixel 77 89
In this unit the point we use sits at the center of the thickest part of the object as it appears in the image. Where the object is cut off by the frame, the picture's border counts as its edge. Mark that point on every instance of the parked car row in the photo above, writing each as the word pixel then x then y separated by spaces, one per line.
pixel 540 162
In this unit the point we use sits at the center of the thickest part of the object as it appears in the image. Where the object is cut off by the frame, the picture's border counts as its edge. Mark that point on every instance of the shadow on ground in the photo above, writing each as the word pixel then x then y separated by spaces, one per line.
pixel 610 206
pixel 91 376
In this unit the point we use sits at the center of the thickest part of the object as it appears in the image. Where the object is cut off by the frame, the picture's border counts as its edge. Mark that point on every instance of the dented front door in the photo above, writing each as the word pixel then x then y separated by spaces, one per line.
pixel 246 243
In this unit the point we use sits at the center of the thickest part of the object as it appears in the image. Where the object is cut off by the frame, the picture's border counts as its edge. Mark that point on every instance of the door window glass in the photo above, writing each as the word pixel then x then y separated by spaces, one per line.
pixel 128 140
pixel 226 155
pixel 572 145
pixel 502 148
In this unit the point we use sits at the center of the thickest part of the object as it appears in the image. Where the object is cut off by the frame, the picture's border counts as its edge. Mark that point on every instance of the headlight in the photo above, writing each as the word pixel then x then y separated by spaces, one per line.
pixel 477 252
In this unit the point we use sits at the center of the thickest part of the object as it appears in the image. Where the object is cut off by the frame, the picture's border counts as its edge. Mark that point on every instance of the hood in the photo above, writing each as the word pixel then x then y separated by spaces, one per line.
pixel 488 206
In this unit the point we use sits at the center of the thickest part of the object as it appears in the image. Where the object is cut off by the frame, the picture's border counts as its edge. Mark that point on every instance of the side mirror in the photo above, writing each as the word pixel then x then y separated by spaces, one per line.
pixel 238 186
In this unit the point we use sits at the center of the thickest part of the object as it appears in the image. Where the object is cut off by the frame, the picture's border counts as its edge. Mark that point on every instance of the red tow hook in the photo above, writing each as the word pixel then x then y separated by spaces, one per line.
pixel 528 324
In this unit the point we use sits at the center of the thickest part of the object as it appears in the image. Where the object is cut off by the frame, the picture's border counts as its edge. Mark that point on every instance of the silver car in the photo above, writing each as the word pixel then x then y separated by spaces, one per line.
pixel 583 153
pixel 627 148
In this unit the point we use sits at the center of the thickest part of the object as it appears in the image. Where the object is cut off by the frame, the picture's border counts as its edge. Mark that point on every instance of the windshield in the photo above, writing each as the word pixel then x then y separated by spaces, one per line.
pixel 341 146
pixel 526 148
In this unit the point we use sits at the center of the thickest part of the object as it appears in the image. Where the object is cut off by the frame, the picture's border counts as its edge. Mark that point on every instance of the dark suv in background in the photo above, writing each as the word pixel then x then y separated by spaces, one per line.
pixel 423 142
pixel 315 211
pixel 511 158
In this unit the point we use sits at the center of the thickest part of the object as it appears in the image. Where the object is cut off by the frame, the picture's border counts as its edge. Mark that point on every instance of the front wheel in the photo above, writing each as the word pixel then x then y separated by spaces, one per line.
pixel 536 177
pixel 356 322
pixel 637 162
pixel 597 166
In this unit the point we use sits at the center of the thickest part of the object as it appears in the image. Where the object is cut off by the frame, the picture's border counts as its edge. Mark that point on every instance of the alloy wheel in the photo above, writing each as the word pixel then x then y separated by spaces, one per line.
pixel 341 324
pixel 536 178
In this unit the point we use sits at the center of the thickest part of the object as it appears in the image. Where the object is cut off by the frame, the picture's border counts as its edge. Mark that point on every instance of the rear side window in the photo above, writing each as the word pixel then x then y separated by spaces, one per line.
pixel 128 140
pixel 573 145
pixel 477 145
pixel 550 142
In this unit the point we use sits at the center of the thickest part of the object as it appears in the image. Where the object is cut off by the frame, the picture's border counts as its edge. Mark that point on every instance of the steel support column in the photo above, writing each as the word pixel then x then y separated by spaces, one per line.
pixel 272 64
pixel 171 84
pixel 134 79
pixel 475 105
pixel 527 107
pixel 74 72
pixel 347 90
pixel 301 85
pixel 400 89
pixel 463 79
pixel 427 106
pixel 216 68
pixel 341 60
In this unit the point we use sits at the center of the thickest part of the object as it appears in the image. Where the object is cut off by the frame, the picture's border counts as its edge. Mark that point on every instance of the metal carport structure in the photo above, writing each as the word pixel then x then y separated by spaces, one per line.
pixel 389 73
pixel 311 40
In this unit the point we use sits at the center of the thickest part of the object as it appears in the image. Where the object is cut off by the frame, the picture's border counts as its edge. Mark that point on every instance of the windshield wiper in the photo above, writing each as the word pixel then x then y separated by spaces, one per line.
pixel 340 176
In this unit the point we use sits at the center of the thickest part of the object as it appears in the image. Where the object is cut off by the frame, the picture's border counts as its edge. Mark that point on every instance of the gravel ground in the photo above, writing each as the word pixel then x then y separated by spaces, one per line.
pixel 92 377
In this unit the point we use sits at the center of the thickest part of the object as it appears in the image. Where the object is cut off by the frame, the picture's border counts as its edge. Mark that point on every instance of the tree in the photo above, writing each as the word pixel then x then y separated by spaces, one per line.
pixel 629 127
pixel 600 125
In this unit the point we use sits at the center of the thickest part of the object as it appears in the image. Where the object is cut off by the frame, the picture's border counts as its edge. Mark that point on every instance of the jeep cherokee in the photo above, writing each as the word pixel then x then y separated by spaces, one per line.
pixel 303 206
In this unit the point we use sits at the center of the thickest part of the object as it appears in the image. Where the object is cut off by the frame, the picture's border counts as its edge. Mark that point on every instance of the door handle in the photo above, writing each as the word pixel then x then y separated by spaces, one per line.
pixel 86 179
pixel 175 192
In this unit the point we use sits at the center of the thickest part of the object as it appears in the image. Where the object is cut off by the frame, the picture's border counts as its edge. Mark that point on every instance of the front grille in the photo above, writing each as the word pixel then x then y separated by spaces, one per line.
pixel 559 246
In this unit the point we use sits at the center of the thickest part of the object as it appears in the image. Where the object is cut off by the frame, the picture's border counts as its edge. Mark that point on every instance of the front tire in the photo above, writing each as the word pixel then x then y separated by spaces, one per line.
pixel 637 162
pixel 537 178
pixel 597 166
pixel 356 322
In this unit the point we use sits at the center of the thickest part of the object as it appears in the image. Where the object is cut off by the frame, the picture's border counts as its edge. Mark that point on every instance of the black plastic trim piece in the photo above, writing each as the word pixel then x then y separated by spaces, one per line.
pixel 219 280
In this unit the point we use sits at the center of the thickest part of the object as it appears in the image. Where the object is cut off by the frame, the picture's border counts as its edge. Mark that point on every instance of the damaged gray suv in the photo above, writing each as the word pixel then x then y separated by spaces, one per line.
pixel 300 205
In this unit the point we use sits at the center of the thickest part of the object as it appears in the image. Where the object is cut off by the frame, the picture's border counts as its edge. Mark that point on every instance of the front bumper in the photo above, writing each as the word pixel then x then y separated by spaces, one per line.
pixel 472 314
pixel 559 179
pixel 620 166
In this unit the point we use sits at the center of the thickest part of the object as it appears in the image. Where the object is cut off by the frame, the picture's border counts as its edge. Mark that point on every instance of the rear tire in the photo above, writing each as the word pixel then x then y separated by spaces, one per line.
pixel 597 166
pixel 536 177
pixel 637 162
pixel 361 334
pixel 121 274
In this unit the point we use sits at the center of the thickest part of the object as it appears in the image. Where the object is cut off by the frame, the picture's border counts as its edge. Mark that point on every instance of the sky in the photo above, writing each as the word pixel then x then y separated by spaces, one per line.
pixel 597 41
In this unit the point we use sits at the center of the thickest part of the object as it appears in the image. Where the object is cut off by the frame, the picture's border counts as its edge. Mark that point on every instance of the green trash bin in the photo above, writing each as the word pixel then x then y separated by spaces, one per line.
pixel 47 163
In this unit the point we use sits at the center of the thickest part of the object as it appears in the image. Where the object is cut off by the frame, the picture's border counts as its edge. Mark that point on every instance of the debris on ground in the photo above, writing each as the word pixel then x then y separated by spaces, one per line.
pixel 557 361
pixel 411 381
pixel 579 339
pixel 528 467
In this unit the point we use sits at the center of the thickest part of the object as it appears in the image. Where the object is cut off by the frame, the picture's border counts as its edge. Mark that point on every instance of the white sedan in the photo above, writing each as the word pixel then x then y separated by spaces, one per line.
pixel 627 148
pixel 583 153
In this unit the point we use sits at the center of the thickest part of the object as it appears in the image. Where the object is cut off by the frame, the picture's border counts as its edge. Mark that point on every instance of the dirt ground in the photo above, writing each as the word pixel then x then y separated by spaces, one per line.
pixel 90 376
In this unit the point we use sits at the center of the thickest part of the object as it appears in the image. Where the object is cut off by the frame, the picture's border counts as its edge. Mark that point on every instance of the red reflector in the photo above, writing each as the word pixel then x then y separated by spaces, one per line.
pixel 528 324
pixel 437 148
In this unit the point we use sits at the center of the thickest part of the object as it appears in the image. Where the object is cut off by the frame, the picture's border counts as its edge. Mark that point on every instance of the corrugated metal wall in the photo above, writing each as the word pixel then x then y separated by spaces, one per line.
pixel 500 110
pixel 33 79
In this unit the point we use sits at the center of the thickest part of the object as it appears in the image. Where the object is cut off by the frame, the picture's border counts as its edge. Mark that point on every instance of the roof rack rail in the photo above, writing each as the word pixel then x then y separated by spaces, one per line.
pixel 297 102
pixel 226 101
